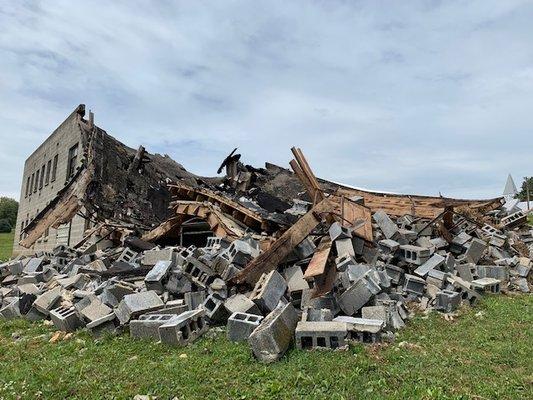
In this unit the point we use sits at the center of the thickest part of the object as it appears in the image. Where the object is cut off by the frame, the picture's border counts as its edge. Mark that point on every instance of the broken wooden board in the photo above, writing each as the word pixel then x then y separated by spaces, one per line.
pixel 357 217
pixel 318 262
pixel 281 248
pixel 162 230
pixel 324 283
pixel 228 206
pixel 419 206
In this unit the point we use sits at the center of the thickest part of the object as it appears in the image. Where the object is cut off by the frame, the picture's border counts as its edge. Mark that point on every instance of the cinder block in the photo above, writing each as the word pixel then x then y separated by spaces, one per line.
pixel 147 326
pixel 194 299
pixel 239 303
pixel 45 302
pixel 271 339
pixel 241 325
pixel 338 232
pixel 133 305
pixel 387 226
pixel 362 329
pixel 475 250
pixel 414 254
pixel 434 262
pixel 66 319
pixel 184 329
pixel 447 300
pixel 268 291
pixel 344 247
pixel 154 280
pixel 414 284
pixel 329 334
pixel 486 285
pixel 214 309
pixel 355 297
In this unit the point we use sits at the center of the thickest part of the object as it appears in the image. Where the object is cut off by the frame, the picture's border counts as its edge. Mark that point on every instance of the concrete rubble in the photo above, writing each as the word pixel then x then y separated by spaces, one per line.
pixel 274 272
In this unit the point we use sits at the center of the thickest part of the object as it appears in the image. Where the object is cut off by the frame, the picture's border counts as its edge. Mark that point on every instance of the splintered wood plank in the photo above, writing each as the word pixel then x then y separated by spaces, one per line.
pixel 280 249
pixel 324 283
pixel 358 217
pixel 317 265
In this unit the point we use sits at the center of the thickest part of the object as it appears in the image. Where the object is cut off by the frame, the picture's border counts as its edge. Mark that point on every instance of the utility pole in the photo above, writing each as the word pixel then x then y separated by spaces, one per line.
pixel 527 191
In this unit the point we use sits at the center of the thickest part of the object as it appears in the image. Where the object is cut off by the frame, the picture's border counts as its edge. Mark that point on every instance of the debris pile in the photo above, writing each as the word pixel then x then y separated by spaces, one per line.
pixel 318 274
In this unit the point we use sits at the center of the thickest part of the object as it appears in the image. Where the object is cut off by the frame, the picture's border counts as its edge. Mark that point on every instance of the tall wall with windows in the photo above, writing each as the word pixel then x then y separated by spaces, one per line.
pixel 46 171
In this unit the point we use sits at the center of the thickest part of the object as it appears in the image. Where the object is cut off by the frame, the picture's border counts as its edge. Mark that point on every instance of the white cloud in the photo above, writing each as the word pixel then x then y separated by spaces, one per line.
pixel 420 97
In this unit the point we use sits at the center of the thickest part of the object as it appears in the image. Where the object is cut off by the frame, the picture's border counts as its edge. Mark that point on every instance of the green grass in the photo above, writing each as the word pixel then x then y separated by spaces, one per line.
pixel 485 353
pixel 6 245
pixel 530 219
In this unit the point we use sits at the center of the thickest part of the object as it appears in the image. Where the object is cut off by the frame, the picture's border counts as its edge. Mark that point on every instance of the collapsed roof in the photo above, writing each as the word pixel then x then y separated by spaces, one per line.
pixel 118 185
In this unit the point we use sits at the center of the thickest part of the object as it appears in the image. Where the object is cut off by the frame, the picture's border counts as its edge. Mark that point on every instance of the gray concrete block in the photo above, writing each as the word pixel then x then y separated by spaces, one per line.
pixel 66 319
pixel 268 291
pixel 241 325
pixel 295 279
pixel 154 280
pixel 447 300
pixel 184 329
pixel 490 285
pixel 414 284
pixel 338 232
pixel 194 299
pixel 147 326
pixel 239 303
pixel 45 302
pixel 271 339
pixel 387 226
pixel 214 308
pixel 133 305
pixel 475 250
pixel 151 257
pixel 327 334
pixel 493 271
pixel 355 297
pixel 317 314
pixel 11 308
pixel 344 247
pixel 434 262
pixel 375 313
pixel 414 254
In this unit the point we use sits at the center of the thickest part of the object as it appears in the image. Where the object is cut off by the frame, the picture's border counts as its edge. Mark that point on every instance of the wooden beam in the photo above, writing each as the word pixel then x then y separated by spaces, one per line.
pixel 281 248
pixel 317 265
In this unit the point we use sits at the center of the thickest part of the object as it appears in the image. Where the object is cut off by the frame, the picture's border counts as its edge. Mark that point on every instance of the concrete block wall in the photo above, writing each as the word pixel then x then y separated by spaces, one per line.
pixel 35 200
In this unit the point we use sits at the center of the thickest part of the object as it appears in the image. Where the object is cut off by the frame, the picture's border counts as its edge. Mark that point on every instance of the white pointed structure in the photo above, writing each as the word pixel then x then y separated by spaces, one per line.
pixel 510 190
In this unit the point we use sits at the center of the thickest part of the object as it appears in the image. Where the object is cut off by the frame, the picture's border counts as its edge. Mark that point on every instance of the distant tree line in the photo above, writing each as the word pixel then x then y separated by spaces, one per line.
pixel 8 214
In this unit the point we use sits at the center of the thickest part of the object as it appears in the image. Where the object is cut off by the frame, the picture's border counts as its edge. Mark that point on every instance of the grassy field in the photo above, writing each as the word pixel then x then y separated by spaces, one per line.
pixel 530 219
pixel 484 353
pixel 6 245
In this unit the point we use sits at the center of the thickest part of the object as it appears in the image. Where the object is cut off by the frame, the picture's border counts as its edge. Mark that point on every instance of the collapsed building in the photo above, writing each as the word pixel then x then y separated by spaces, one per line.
pixel 277 256
pixel 81 177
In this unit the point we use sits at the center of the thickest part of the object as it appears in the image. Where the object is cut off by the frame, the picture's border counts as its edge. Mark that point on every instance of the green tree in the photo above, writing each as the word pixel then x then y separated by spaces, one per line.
pixel 5 226
pixel 522 194
pixel 9 209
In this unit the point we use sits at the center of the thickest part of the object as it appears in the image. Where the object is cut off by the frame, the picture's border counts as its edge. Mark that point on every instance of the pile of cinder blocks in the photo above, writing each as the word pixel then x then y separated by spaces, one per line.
pixel 174 294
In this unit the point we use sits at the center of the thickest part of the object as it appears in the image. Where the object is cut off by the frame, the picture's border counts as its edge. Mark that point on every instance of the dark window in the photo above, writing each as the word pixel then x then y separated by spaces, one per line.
pixel 54 169
pixel 21 230
pixel 41 182
pixel 36 181
pixel 27 186
pixel 72 158
pixel 31 184
pixel 48 168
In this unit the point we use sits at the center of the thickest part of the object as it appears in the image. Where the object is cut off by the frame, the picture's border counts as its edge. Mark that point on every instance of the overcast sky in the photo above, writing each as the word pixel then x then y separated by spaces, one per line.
pixel 413 97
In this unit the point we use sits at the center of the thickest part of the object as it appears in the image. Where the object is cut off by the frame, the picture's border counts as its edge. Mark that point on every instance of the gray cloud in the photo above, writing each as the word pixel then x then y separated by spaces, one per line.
pixel 420 97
